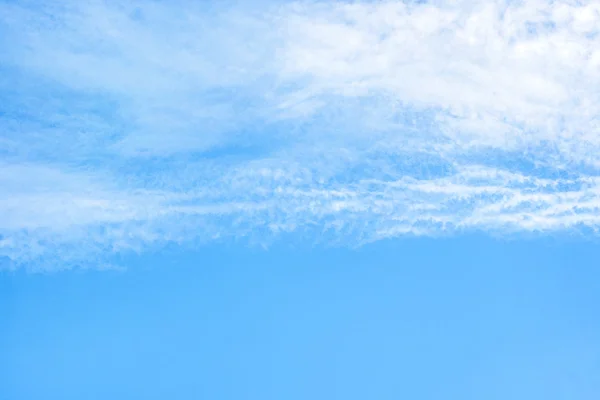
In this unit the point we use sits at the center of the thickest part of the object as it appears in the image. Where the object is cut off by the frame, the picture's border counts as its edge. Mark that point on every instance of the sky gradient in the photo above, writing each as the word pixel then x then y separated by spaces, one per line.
pixel 299 199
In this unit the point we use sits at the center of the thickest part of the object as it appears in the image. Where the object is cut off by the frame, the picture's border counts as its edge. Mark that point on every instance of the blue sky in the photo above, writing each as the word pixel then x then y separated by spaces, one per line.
pixel 462 318
pixel 213 182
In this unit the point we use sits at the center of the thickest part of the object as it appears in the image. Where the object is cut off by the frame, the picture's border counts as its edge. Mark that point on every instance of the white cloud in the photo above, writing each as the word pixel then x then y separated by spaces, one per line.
pixel 128 127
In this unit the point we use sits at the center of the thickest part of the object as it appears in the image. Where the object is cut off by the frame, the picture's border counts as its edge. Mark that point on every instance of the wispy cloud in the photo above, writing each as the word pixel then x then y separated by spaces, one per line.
pixel 127 127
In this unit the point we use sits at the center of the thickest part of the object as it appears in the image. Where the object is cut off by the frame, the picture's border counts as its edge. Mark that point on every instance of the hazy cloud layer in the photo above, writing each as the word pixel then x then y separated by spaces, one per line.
pixel 130 127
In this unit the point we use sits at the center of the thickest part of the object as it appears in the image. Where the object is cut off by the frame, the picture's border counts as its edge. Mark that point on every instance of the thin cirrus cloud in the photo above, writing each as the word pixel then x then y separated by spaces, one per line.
pixel 129 127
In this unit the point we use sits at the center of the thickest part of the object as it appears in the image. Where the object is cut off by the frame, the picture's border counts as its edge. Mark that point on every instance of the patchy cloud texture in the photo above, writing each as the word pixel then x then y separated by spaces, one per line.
pixel 128 127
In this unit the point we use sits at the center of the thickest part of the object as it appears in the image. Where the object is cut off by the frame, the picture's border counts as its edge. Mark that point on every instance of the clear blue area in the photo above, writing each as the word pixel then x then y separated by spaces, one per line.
pixel 463 318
